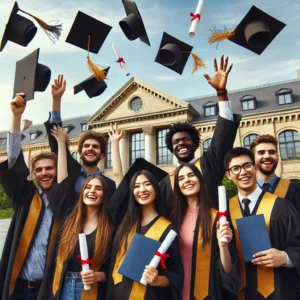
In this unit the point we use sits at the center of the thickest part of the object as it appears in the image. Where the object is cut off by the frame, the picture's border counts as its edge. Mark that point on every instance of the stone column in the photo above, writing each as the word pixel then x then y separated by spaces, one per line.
pixel 124 151
pixel 150 144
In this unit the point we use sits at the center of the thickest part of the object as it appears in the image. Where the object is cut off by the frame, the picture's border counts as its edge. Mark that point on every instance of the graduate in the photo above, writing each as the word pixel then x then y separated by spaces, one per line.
pixel 208 263
pixel 273 273
pixel 183 139
pixel 64 277
pixel 32 229
pixel 265 150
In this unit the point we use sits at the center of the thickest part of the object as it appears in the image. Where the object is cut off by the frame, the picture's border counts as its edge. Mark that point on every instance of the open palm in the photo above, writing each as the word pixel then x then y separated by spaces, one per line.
pixel 58 87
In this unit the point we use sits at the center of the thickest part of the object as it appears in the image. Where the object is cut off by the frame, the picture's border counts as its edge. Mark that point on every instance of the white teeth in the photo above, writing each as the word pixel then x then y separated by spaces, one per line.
pixel 189 186
pixel 182 150
pixel 92 197
pixel 245 179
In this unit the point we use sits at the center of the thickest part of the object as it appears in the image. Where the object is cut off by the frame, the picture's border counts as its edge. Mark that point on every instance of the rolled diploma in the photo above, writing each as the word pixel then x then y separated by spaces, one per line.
pixel 162 250
pixel 84 256
pixel 118 56
pixel 194 24
pixel 222 207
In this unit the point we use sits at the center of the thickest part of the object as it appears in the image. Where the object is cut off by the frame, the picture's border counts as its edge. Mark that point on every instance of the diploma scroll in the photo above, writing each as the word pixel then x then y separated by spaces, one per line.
pixel 222 208
pixel 196 18
pixel 84 256
pixel 120 59
pixel 162 250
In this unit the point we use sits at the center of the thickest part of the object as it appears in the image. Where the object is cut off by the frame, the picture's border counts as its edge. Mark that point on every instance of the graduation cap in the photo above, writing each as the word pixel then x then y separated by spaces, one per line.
pixel 255 32
pixel 31 76
pixel 91 86
pixel 174 54
pixel 133 26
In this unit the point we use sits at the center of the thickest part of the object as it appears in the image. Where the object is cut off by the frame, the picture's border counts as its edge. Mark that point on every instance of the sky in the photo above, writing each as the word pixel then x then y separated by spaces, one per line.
pixel 279 62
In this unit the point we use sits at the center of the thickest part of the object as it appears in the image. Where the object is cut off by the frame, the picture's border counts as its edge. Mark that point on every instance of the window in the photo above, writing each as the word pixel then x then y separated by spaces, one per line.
pixel 76 156
pixel 84 127
pixel 284 96
pixel 163 154
pixel 210 109
pixel 108 163
pixel 249 139
pixel 289 144
pixel 137 146
pixel 206 144
pixel 2 141
pixel 68 128
pixel 136 104
pixel 248 102
pixel 34 135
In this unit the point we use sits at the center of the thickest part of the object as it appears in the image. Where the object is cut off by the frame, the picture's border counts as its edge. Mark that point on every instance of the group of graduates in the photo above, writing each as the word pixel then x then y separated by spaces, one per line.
pixel 41 257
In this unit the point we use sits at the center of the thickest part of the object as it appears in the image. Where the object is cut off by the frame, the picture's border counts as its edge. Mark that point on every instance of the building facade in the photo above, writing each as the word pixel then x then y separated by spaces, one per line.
pixel 144 113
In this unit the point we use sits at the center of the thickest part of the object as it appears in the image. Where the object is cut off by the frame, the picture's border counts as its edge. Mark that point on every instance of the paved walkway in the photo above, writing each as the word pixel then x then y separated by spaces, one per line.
pixel 4 223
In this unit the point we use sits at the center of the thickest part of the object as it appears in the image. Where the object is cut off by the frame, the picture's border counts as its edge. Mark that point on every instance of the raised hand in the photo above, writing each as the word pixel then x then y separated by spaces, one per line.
pixel 60 135
pixel 18 104
pixel 114 132
pixel 219 81
pixel 58 87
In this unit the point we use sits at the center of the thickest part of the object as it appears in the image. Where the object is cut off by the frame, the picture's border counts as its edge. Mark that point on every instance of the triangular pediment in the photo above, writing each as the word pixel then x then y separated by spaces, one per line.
pixel 138 99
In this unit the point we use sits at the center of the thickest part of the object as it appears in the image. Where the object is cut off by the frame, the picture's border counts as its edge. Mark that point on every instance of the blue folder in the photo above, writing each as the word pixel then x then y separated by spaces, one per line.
pixel 139 254
pixel 254 235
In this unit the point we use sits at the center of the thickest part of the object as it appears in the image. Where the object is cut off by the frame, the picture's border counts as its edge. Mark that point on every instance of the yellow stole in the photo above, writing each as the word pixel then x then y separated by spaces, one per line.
pixel 90 294
pixel 138 290
pixel 203 260
pixel 172 174
pixel 26 237
pixel 282 188
pixel 265 276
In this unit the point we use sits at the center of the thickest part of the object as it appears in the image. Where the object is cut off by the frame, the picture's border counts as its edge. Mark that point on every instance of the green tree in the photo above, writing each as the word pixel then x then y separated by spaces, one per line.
pixel 231 189
pixel 4 202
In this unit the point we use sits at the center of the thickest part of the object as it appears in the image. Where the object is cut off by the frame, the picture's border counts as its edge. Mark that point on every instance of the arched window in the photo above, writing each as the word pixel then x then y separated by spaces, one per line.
pixel 249 139
pixel 289 144
pixel 206 144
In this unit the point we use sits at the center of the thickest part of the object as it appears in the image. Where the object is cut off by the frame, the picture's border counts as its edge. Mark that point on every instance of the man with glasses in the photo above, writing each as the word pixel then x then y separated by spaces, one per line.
pixel 265 150
pixel 274 273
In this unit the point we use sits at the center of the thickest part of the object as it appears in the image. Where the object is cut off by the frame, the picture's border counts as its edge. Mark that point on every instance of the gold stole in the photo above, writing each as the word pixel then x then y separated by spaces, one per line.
pixel 90 294
pixel 172 174
pixel 282 188
pixel 138 290
pixel 26 237
pixel 203 260
pixel 265 276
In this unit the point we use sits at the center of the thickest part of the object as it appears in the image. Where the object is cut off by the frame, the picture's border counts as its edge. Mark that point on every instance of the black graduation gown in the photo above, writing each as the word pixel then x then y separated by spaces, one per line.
pixel 21 193
pixel 74 167
pixel 174 273
pixel 212 161
pixel 284 236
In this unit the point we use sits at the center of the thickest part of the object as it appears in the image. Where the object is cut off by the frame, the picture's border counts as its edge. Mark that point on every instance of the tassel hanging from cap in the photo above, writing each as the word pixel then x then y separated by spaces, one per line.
pixel 53 31
pixel 198 62
pixel 218 35
pixel 95 69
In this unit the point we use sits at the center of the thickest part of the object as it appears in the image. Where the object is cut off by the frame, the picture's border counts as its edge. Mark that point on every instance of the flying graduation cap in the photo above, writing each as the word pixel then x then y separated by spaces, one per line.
pixel 133 25
pixel 174 54
pixel 31 76
pixel 21 30
pixel 255 32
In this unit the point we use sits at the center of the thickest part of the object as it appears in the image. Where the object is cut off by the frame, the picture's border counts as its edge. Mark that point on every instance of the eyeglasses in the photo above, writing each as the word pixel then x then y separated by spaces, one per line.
pixel 236 170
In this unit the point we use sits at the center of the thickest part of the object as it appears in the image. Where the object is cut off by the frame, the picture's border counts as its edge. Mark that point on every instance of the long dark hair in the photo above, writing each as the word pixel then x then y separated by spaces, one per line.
pixel 134 211
pixel 180 204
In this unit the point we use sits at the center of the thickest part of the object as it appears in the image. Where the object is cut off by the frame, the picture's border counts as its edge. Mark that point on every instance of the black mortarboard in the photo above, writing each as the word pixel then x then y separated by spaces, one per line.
pixel 257 30
pixel 173 53
pixel 85 26
pixel 133 25
pixel 92 86
pixel 31 76
pixel 19 29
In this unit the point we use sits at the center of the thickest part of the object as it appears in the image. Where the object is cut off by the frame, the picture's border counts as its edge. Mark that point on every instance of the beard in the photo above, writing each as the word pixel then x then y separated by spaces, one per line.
pixel 43 187
pixel 185 159
pixel 89 163
pixel 267 172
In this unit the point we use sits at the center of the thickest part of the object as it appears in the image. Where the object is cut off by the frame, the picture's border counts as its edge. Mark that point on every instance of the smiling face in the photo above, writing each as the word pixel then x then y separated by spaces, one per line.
pixel 266 158
pixel 143 190
pixel 91 153
pixel 183 146
pixel 93 193
pixel 188 182
pixel 45 173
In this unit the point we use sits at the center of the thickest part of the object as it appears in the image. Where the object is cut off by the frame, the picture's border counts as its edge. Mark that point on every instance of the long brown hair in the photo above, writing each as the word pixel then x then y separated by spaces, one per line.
pixel 73 225
pixel 180 205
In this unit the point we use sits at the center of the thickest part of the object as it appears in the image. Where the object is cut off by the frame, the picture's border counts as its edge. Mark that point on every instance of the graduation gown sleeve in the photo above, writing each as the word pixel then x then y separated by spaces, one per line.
pixel 293 194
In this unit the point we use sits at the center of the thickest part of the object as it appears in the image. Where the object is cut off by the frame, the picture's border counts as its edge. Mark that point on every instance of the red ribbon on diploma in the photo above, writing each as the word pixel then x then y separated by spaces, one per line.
pixel 162 257
pixel 194 16
pixel 85 262
pixel 222 214
pixel 120 61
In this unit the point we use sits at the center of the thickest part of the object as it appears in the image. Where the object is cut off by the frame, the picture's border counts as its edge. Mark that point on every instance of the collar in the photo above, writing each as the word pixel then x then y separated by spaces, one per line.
pixel 190 162
pixel 43 196
pixel 85 175
pixel 253 197
pixel 272 181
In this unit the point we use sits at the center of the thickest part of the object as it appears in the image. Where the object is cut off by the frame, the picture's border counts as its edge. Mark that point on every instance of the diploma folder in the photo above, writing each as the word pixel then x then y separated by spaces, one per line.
pixel 254 235
pixel 139 254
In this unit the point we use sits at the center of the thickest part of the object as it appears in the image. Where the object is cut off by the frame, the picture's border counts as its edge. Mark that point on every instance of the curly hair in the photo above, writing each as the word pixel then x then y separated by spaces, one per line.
pixel 182 127
pixel 266 138
pixel 90 134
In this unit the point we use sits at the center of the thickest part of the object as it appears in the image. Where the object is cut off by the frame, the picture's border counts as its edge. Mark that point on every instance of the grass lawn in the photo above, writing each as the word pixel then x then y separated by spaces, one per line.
pixel 5 214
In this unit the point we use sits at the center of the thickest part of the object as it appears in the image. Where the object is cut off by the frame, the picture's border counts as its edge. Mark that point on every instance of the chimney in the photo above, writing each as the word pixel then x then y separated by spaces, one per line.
pixel 298 74
pixel 25 124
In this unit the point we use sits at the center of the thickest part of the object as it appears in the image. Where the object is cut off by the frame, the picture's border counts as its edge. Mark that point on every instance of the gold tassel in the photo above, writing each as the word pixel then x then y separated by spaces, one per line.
pixel 218 35
pixel 53 31
pixel 95 69
pixel 198 62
